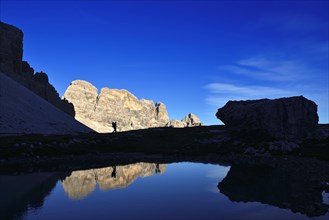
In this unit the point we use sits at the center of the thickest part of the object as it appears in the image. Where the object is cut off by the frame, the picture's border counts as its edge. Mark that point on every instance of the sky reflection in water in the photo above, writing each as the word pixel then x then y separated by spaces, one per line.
pixel 175 191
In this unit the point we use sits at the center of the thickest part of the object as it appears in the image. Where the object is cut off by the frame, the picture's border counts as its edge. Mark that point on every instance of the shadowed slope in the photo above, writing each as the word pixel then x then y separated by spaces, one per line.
pixel 24 112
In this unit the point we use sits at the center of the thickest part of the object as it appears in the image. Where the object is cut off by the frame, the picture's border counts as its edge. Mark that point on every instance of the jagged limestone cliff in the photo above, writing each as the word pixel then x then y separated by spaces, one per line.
pixel 98 111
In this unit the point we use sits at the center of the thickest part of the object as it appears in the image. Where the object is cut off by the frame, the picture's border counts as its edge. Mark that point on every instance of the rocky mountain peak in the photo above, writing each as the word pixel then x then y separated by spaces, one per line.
pixel 98 111
pixel 190 120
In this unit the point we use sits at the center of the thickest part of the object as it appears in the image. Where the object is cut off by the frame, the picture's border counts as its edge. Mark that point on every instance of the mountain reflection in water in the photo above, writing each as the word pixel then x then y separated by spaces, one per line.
pixel 81 183
pixel 182 191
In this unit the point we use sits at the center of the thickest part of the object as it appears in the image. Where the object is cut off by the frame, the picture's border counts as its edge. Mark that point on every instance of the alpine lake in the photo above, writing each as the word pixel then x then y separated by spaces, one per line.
pixel 179 190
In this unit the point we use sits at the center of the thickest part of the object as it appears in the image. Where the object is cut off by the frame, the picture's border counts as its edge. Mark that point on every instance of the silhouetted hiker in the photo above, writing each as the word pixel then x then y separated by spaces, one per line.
pixel 157 169
pixel 114 125
pixel 114 172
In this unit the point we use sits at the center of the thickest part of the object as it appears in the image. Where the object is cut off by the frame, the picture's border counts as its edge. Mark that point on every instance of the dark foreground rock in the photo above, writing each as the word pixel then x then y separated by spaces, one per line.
pixel 11 49
pixel 285 118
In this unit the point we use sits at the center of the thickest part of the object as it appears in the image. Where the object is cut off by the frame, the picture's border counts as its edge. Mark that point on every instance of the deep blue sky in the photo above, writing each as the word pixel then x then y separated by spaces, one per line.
pixel 192 55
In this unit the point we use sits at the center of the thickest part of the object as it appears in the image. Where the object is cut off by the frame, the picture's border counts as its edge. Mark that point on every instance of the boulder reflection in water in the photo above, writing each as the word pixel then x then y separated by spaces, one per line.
pixel 268 185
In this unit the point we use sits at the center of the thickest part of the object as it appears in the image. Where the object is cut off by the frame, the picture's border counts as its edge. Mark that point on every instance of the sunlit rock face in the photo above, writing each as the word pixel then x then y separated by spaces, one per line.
pixel 98 111
pixel 81 183
pixel 284 118
pixel 174 123
pixel 190 120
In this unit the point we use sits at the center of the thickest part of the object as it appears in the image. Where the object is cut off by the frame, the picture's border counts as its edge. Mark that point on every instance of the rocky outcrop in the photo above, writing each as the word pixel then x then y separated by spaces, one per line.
pixel 81 183
pixel 190 120
pixel 161 113
pixel 11 64
pixel 174 123
pixel 98 111
pixel 11 49
pixel 285 118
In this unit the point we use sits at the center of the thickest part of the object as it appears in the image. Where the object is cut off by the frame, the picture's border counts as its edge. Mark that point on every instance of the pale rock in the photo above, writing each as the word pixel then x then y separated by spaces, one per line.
pixel 174 123
pixel 192 120
pixel 161 113
pixel 98 111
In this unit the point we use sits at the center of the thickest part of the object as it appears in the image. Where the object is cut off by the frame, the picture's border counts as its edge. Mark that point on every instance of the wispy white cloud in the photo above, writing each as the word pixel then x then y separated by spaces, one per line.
pixel 270 70
pixel 224 88
pixel 220 93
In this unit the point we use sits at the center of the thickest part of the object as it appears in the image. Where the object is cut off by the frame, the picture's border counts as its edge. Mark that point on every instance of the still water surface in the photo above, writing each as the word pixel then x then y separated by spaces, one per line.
pixel 152 191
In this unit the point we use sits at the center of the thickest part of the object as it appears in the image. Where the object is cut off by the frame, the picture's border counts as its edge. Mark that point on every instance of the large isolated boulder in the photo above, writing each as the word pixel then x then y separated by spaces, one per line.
pixel 98 111
pixel 283 186
pixel 285 118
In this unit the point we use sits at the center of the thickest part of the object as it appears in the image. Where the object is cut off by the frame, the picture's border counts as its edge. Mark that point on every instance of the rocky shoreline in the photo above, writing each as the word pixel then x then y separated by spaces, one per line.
pixel 199 143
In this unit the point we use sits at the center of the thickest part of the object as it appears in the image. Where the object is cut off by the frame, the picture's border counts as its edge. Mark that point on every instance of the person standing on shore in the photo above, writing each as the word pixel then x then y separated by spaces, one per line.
pixel 114 125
